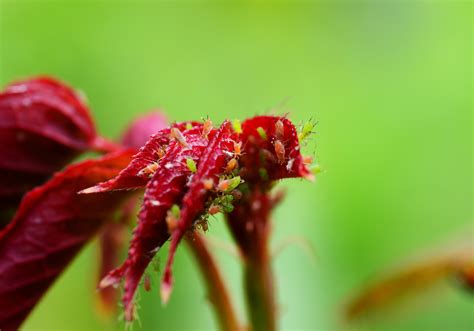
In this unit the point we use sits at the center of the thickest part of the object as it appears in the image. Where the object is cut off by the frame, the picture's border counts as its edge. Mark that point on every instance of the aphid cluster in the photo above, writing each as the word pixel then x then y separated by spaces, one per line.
pixel 192 171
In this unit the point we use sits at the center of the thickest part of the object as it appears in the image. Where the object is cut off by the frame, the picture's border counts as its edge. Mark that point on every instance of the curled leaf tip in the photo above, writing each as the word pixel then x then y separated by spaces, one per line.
pixel 108 280
pixel 165 292
pixel 93 189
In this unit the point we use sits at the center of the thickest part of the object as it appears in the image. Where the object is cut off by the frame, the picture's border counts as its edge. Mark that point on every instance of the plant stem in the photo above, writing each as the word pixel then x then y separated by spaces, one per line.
pixel 216 287
pixel 250 225
pixel 259 291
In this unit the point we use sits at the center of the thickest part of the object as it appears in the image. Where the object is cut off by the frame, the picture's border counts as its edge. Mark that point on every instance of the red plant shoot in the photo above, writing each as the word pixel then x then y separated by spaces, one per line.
pixel 187 171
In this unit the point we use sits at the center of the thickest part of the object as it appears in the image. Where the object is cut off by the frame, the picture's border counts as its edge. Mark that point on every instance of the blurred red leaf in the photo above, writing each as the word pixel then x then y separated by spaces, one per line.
pixel 51 225
pixel 44 124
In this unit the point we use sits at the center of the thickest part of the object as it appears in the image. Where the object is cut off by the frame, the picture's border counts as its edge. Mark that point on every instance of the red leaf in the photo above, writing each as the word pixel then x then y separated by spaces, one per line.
pixel 268 143
pixel 261 152
pixel 51 225
pixel 211 165
pixel 165 188
pixel 43 126
pixel 139 171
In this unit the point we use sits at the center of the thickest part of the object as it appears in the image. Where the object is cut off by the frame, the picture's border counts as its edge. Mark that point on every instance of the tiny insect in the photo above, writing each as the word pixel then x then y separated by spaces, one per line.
pixel 307 159
pixel 231 165
pixel 204 226
pixel 191 165
pixel 171 222
pixel 208 184
pixel 262 133
pixel 316 169
pixel 236 194
pixel 279 129
pixel 214 209
pixel 280 151
pixel 263 173
pixel 160 152
pixel 206 128
pixel 172 218
pixel 149 170
pixel 228 185
pixel 266 155
pixel 237 149
pixel 237 126
pixel 178 135
pixel 147 283
pixel 306 130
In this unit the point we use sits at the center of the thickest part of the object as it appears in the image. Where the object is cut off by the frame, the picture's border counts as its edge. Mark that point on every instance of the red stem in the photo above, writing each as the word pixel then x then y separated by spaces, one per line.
pixel 216 287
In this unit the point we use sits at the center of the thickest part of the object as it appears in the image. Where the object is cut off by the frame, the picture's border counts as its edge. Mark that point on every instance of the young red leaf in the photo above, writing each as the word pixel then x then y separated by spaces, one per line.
pixel 272 149
pixel 198 170
pixel 165 188
pixel 144 163
pixel 51 225
pixel 211 165
pixel 43 125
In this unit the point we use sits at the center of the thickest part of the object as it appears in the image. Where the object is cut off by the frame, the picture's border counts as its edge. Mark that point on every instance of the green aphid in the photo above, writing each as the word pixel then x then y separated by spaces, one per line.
pixel 191 165
pixel 176 211
pixel 263 174
pixel 228 207
pixel 233 183
pixel 189 126
pixel 228 198
pixel 261 132
pixel 316 169
pixel 306 130
pixel 237 126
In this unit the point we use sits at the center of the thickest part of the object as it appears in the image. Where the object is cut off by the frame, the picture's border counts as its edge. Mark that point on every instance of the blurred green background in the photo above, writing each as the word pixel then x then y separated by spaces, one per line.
pixel 389 82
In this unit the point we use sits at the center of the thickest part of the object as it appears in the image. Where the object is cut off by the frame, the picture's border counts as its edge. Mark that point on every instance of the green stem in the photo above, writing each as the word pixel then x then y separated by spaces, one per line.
pixel 250 226
pixel 260 294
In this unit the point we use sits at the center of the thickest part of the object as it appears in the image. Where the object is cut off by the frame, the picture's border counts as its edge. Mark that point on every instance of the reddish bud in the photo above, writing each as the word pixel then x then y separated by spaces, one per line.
pixel 142 128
